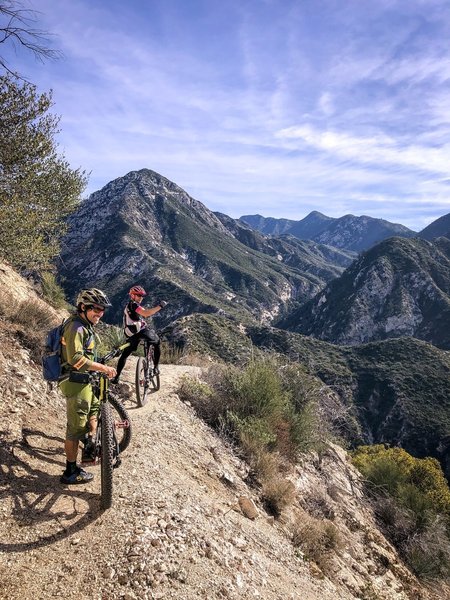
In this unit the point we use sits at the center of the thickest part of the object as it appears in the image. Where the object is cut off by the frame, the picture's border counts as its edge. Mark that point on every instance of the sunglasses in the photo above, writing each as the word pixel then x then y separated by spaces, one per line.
pixel 96 309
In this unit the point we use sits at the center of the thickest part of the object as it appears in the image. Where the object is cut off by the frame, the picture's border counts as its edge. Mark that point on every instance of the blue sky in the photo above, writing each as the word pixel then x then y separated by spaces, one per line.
pixel 276 107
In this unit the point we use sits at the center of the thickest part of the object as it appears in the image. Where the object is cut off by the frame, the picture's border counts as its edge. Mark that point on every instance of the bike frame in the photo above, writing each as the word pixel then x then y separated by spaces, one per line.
pixel 149 352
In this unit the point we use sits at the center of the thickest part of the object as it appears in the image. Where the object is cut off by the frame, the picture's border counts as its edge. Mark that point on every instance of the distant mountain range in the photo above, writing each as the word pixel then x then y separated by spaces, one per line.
pixel 143 228
pixel 227 282
pixel 438 228
pixel 348 232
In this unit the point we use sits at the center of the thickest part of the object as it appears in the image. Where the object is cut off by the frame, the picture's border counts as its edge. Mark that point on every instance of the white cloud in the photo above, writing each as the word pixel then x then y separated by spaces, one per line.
pixel 375 150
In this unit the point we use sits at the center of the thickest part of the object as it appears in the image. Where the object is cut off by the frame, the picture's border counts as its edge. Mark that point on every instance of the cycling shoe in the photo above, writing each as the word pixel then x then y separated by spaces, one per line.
pixel 78 476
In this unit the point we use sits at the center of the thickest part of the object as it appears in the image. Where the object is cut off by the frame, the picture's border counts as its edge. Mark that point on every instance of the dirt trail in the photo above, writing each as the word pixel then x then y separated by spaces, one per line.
pixel 174 530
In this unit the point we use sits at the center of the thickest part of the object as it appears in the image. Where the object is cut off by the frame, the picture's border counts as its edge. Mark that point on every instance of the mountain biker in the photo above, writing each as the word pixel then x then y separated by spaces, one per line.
pixel 135 328
pixel 78 353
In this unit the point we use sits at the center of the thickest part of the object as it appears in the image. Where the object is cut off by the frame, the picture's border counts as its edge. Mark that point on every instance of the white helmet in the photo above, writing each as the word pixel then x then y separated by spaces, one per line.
pixel 93 296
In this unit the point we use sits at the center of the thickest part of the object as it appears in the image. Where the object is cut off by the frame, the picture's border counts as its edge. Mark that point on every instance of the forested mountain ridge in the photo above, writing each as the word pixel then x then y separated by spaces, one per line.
pixel 398 287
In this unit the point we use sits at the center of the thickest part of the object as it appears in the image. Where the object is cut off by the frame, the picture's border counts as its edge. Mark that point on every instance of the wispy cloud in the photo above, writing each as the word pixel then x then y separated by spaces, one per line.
pixel 375 150
pixel 259 106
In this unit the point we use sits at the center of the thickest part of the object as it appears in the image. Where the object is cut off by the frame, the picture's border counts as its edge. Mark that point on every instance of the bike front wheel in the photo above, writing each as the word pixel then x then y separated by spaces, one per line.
pixel 142 387
pixel 107 454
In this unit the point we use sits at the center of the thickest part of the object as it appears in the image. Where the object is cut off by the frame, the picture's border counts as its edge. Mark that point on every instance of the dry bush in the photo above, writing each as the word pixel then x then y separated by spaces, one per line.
pixel 317 539
pixel 32 322
pixel 277 494
pixel 171 354
pixel 195 360
pixel 368 592
pixel 428 552
pixel 5 304
pixel 286 436
pixel 264 465
pixel 266 468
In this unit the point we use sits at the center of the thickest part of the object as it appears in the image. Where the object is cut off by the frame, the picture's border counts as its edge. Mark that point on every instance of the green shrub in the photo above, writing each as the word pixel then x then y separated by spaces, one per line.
pixel 256 391
pixel 257 429
pixel 109 337
pixel 418 484
pixel 265 410
pixel 52 291
pixel 413 503
pixel 261 402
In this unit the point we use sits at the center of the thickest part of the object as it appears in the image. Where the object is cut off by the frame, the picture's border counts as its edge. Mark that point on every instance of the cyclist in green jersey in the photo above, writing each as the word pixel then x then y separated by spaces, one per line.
pixel 78 354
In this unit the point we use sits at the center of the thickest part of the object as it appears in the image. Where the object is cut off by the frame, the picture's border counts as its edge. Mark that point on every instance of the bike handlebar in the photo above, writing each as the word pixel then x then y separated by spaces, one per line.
pixel 113 353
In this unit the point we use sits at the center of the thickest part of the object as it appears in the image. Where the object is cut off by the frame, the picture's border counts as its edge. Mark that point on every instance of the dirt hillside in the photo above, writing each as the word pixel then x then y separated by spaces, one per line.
pixel 175 530
pixel 181 525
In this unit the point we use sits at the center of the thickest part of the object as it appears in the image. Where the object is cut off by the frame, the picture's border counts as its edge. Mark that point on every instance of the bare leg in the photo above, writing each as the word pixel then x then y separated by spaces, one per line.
pixel 71 448
pixel 92 425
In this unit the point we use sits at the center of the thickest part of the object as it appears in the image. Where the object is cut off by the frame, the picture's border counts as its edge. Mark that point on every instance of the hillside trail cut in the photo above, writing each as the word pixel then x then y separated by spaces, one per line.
pixel 175 529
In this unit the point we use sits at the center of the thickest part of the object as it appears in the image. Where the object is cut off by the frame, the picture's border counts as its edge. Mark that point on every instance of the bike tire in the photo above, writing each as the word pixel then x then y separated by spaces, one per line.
pixel 141 382
pixel 120 413
pixel 155 382
pixel 107 454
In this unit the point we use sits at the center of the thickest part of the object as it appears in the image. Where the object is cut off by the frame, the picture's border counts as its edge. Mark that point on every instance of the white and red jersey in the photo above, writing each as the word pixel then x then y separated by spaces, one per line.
pixel 133 322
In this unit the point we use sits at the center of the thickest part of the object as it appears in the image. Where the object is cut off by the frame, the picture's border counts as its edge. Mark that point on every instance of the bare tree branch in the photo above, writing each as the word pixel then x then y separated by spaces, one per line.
pixel 17 28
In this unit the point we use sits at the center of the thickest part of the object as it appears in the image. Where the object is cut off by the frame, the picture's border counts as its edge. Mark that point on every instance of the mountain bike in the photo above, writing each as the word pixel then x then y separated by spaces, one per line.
pixel 146 378
pixel 113 433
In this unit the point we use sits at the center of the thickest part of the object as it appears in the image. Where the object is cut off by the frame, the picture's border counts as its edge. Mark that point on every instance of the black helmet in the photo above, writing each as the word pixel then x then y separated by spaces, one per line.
pixel 93 296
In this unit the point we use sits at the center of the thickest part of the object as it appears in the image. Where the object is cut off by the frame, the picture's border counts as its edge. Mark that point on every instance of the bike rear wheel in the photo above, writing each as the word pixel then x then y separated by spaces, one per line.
pixel 107 454
pixel 142 387
pixel 121 421
pixel 154 380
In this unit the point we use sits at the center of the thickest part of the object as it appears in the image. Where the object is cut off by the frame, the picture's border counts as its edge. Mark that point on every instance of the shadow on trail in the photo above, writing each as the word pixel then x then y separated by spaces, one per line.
pixel 43 510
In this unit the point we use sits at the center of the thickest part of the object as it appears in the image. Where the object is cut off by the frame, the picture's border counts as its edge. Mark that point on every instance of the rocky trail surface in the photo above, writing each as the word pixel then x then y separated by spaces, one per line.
pixel 175 529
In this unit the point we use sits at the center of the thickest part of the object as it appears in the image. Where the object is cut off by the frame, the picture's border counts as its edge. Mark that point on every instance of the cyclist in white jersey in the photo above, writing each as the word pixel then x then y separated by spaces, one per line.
pixel 136 329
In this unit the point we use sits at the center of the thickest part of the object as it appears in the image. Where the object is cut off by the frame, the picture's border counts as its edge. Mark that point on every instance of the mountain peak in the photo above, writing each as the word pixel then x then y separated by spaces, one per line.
pixel 438 228
pixel 317 214
pixel 399 287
